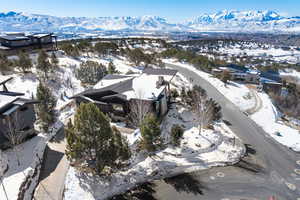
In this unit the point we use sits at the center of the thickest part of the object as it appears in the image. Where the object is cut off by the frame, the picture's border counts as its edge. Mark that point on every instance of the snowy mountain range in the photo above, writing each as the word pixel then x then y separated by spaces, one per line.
pixel 228 21
pixel 245 21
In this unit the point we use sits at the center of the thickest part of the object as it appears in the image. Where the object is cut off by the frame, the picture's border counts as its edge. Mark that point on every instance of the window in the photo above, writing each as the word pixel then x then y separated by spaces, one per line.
pixel 118 107
pixel 27 128
pixel 24 109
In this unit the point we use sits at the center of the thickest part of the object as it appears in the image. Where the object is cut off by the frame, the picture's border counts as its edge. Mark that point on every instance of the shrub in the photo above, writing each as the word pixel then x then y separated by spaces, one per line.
pixel 176 135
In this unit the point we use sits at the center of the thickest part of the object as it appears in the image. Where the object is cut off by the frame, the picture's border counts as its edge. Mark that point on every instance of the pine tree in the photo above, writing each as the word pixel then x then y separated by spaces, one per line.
pixel 122 144
pixel 90 72
pixel 150 131
pixel 24 62
pixel 5 64
pixel 112 68
pixel 91 139
pixel 46 105
pixel 176 135
pixel 225 77
pixel 43 63
pixel 54 60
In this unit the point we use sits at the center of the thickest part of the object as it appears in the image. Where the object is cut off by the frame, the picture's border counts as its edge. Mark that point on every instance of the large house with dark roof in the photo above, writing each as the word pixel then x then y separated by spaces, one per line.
pixel 115 94
pixel 17 41
pixel 17 116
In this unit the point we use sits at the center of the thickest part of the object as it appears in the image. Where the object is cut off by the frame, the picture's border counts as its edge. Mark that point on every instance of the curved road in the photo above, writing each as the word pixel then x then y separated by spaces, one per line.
pixel 267 170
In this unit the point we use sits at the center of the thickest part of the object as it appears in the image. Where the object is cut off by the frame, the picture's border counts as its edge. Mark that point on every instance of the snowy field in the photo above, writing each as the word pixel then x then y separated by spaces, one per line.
pixel 268 119
pixel 23 164
pixel 217 147
pixel 276 54
pixel 255 50
pixel 292 73
pixel 237 93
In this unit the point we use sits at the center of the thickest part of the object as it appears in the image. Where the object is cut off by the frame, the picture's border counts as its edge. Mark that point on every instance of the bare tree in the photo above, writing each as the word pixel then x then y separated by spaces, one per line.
pixel 206 109
pixel 14 132
pixel 138 109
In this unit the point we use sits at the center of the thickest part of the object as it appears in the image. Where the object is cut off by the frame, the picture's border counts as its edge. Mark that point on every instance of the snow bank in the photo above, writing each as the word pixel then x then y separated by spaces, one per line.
pixel 24 164
pixel 267 118
pixel 237 93
pixel 3 163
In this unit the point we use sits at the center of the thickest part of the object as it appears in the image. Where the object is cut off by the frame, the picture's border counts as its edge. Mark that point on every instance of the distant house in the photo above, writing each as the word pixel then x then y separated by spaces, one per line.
pixel 271 82
pixel 115 94
pixel 16 41
pixel 239 73
pixel 16 115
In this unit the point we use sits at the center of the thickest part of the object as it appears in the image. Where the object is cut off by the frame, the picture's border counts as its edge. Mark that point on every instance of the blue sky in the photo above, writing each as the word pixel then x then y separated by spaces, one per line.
pixel 174 10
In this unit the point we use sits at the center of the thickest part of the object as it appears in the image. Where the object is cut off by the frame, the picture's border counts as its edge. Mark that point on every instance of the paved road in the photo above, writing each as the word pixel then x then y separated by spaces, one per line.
pixel 53 172
pixel 267 170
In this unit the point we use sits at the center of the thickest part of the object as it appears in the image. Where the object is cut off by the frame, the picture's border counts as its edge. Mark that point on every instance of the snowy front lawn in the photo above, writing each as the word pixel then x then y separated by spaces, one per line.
pixel 237 93
pixel 197 151
pixel 20 180
pixel 268 119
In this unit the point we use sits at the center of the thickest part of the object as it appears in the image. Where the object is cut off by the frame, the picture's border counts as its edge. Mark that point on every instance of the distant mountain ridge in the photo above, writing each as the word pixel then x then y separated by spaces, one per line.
pixel 228 21
pixel 245 21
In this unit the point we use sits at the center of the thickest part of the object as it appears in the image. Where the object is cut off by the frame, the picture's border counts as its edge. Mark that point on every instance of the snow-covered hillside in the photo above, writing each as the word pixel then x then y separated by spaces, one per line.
pixel 232 21
pixel 245 21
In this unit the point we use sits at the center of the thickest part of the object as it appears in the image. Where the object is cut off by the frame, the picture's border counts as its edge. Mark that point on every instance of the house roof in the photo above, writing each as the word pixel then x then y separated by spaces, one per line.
pixel 112 79
pixel 143 86
pixel 5 100
pixel 270 76
pixel 41 35
pixel 234 67
pixel 14 37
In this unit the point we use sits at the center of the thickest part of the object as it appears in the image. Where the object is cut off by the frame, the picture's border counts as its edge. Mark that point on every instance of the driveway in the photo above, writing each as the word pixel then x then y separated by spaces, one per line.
pixel 54 169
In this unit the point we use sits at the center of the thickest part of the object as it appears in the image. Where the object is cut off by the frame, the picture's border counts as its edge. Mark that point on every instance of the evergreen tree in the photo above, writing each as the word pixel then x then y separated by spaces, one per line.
pixel 69 49
pixel 24 62
pixel 176 135
pixel 46 105
pixel 225 77
pixel 150 131
pixel 121 142
pixel 90 72
pixel 43 63
pixel 112 68
pixel 106 48
pixel 92 140
pixel 54 60
pixel 5 64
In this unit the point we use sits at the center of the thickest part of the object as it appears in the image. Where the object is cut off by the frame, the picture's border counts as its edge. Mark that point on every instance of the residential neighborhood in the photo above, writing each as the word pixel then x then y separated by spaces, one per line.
pixel 138 108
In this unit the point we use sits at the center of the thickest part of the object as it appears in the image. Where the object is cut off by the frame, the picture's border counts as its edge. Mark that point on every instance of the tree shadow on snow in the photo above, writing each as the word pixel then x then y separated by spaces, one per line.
pixel 186 183
pixel 143 192
pixel 50 162
pixel 59 137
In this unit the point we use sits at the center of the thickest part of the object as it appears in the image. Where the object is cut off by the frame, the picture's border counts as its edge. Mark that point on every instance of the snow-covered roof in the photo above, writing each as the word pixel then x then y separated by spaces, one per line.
pixel 141 86
pixel 5 100
pixel 111 79
pixel 145 87
pixel 14 37
pixel 40 35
